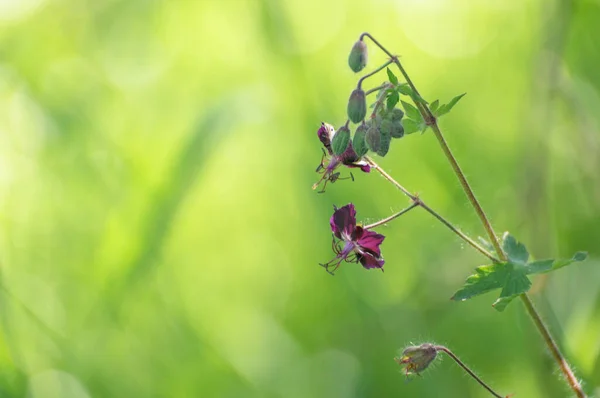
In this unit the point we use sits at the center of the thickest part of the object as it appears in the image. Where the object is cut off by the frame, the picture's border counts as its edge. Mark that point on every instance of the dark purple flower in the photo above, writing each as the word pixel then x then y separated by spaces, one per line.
pixel 349 158
pixel 353 243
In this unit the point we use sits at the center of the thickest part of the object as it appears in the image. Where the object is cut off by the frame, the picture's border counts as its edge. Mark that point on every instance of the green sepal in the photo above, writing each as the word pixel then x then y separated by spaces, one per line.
pixel 340 140
pixel 358 142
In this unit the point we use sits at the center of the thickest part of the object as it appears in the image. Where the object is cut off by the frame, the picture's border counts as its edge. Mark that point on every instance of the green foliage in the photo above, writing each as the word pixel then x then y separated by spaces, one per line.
pixel 510 276
pixel 414 121
pixel 445 108
pixel 393 79
pixel 340 140
pixel 392 100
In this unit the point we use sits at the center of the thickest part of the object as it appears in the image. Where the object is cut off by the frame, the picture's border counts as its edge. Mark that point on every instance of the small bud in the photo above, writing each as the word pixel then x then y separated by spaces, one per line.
pixel 417 358
pixel 397 130
pixel 340 140
pixel 385 137
pixel 373 137
pixel 358 142
pixel 358 56
pixel 357 106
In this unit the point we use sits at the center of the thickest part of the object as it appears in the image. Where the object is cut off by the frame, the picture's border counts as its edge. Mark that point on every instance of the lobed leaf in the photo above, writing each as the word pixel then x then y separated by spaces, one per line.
pixel 411 111
pixel 392 77
pixel 543 266
pixel 442 110
pixel 516 251
pixel 410 126
pixel 392 100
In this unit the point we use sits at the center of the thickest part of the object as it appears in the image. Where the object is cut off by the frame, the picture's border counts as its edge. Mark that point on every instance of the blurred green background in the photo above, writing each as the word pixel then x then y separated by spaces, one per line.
pixel 158 233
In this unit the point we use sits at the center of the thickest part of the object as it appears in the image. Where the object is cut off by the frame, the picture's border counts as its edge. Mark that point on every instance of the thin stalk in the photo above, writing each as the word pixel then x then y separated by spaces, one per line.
pixel 419 202
pixel 466 368
pixel 374 72
pixel 377 88
pixel 390 218
pixel 542 328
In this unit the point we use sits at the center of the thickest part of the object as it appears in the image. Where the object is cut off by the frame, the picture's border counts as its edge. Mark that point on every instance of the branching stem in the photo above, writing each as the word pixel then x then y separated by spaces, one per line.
pixel 431 121
pixel 419 202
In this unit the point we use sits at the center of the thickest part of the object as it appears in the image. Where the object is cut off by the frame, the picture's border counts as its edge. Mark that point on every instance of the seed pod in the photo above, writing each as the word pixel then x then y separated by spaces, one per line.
pixel 358 142
pixel 373 138
pixel 417 358
pixel 357 106
pixel 340 140
pixel 358 56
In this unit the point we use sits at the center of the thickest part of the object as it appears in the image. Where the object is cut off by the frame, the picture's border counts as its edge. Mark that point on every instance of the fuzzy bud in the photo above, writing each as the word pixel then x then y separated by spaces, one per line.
pixel 417 358
pixel 358 56
pixel 340 140
pixel 358 142
pixel 357 106
pixel 373 137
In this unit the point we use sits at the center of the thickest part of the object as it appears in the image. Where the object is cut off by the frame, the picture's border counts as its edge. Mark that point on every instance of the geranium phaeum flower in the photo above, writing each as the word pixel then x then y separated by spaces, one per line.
pixel 349 158
pixel 353 243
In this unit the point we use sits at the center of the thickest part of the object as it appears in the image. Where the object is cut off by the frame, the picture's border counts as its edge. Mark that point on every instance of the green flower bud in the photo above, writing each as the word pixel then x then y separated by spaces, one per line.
pixel 397 129
pixel 385 134
pixel 357 106
pixel 358 56
pixel 340 140
pixel 417 358
pixel 358 142
pixel 373 137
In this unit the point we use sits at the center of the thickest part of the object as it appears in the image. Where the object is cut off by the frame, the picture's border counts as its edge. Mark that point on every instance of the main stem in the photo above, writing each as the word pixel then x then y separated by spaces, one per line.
pixel 431 121
pixel 574 384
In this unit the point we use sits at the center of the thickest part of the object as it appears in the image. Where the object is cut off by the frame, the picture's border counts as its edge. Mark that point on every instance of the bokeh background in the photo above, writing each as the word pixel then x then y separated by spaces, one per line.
pixel 158 233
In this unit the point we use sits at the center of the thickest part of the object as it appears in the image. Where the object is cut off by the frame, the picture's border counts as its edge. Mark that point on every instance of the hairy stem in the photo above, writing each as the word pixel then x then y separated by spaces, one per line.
pixel 374 72
pixel 419 202
pixel 390 218
pixel 374 89
pixel 431 121
pixel 466 368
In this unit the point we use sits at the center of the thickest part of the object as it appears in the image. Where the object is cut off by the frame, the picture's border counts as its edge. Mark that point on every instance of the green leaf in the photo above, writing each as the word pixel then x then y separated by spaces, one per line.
pixel 448 107
pixel 434 106
pixel 510 277
pixel 392 100
pixel 358 142
pixel 410 126
pixel 516 251
pixel 543 266
pixel 411 111
pixel 340 140
pixel 502 302
pixel 392 77
pixel 485 279
pixel 405 89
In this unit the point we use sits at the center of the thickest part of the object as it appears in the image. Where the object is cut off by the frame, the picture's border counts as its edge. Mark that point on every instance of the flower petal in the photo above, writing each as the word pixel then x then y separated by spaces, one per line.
pixel 325 133
pixel 369 261
pixel 343 221
pixel 350 158
pixel 370 241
